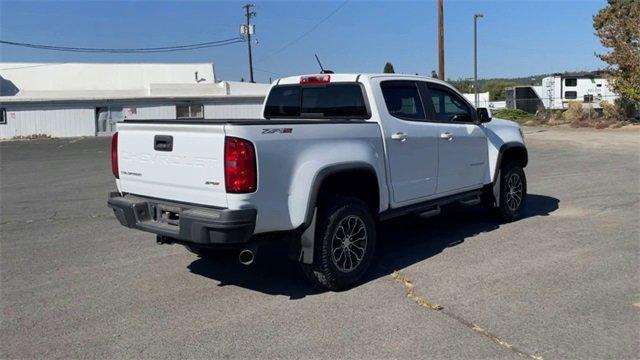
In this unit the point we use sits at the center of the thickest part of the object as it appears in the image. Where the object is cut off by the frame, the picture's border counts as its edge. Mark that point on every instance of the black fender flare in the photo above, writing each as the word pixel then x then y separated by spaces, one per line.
pixel 303 246
pixel 503 149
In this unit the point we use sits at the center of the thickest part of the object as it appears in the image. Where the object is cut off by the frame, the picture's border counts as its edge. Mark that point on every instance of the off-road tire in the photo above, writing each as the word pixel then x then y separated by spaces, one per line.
pixel 324 271
pixel 506 209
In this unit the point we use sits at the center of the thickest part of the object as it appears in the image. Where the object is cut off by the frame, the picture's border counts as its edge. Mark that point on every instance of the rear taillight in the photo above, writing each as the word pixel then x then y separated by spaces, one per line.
pixel 239 165
pixel 114 156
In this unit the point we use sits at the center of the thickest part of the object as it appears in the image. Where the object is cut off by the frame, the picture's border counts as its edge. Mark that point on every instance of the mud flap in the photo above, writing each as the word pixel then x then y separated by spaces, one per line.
pixel 307 241
pixel 496 189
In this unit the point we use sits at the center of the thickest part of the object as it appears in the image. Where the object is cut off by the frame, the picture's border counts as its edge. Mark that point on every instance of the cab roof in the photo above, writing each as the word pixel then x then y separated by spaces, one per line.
pixel 353 77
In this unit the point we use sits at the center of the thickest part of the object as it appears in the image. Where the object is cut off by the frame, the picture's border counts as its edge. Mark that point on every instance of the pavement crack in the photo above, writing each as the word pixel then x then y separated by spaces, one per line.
pixel 410 291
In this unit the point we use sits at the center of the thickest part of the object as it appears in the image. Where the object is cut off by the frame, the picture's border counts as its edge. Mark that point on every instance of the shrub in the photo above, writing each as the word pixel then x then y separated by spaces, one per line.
pixel 609 110
pixel 574 112
pixel 513 114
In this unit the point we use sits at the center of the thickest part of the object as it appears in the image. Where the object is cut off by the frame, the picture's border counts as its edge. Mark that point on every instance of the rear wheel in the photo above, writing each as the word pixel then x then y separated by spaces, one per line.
pixel 347 240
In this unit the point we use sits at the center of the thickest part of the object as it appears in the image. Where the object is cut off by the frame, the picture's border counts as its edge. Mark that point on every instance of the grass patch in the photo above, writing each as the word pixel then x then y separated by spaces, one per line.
pixel 516 115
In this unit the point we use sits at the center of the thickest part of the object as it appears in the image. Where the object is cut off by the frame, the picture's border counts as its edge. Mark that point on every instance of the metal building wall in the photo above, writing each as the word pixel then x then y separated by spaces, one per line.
pixel 149 111
pixel 47 119
pixel 79 119
pixel 218 109
pixel 235 110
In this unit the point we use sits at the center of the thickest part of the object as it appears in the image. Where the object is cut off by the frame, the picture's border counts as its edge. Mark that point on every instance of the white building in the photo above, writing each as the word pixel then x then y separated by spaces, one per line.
pixel 73 99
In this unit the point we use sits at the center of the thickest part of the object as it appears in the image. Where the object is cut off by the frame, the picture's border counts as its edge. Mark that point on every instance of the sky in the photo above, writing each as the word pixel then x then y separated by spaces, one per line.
pixel 515 38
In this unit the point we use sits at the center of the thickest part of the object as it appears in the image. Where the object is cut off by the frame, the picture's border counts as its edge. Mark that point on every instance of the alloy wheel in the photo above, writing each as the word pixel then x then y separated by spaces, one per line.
pixel 349 243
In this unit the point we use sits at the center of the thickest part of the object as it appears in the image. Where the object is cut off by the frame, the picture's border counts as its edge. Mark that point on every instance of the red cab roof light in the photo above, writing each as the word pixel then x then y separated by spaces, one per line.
pixel 315 79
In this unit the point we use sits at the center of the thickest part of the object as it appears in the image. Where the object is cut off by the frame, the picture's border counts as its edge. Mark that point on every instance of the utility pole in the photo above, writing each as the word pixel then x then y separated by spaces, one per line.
pixel 475 57
pixel 440 40
pixel 248 29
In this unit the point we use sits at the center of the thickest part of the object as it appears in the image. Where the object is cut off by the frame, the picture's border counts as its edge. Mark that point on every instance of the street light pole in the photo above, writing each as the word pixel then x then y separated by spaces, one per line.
pixel 475 57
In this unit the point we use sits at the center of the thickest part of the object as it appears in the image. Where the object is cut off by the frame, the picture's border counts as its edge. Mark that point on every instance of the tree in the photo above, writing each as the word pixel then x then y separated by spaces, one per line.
pixel 388 68
pixel 618 28
pixel 496 89
pixel 463 85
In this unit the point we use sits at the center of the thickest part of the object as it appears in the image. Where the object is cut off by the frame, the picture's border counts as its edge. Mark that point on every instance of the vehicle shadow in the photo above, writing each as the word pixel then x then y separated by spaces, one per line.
pixel 401 242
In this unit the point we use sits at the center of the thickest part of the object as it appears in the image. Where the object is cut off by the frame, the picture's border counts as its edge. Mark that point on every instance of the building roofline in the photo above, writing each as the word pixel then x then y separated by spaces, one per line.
pixel 4 100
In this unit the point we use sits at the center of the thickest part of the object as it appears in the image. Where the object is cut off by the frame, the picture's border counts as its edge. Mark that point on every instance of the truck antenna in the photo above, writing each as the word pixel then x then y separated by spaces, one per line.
pixel 322 70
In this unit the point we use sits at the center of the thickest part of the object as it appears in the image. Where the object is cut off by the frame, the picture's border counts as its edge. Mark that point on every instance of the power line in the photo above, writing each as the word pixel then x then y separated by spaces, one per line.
pixel 268 72
pixel 195 46
pixel 304 34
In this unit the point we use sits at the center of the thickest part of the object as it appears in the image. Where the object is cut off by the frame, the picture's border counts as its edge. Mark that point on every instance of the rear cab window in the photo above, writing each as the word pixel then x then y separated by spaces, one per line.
pixel 325 101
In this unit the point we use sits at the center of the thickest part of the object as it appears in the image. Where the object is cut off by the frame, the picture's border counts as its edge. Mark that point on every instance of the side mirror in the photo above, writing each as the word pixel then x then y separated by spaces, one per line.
pixel 483 115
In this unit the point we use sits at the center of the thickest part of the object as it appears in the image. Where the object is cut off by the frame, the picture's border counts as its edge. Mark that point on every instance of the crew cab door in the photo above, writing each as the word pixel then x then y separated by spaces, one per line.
pixel 411 142
pixel 462 145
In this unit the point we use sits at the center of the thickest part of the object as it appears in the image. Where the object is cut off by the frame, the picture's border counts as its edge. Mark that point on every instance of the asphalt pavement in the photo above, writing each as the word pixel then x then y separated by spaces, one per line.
pixel 563 282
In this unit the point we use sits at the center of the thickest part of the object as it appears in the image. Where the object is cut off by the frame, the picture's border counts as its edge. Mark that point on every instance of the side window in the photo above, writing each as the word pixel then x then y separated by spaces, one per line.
pixel 448 106
pixel 190 111
pixel 403 100
pixel 571 82
pixel 3 116
pixel 570 94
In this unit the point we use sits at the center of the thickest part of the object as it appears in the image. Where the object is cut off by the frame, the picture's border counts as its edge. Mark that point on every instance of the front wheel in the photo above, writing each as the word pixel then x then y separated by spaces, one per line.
pixel 513 192
pixel 347 240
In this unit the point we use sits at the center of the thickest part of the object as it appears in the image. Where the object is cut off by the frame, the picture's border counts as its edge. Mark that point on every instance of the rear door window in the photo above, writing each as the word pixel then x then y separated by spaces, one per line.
pixel 403 100
pixel 339 100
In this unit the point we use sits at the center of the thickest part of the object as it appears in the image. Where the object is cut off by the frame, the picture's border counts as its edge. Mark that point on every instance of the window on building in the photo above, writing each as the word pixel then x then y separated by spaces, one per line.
pixel 571 82
pixel 190 111
pixel 3 116
pixel 588 98
pixel 570 95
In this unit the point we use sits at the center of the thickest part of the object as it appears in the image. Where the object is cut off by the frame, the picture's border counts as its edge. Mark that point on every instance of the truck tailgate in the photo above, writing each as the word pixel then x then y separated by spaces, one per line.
pixel 179 162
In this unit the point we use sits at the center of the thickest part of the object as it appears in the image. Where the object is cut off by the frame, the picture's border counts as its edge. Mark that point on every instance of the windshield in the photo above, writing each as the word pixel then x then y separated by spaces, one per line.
pixel 339 100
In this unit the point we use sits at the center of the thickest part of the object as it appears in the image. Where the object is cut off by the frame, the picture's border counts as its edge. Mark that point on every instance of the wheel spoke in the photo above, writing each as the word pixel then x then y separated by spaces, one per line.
pixel 360 229
pixel 349 243
pixel 358 258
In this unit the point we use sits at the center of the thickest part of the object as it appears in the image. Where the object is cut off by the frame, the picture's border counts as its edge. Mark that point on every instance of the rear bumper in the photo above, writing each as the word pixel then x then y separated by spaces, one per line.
pixel 184 222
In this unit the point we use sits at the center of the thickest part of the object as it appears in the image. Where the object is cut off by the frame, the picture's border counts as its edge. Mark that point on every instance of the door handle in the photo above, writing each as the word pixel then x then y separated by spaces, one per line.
pixel 399 136
pixel 447 136
pixel 163 143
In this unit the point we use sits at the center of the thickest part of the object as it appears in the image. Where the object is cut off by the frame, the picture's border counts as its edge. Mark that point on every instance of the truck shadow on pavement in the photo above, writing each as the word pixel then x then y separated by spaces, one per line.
pixel 401 242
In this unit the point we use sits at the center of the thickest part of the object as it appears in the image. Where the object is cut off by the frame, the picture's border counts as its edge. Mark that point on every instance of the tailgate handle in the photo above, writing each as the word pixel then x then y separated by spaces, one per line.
pixel 163 143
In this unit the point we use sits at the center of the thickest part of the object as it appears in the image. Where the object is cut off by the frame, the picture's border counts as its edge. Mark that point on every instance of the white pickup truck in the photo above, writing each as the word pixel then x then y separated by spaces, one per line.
pixel 334 155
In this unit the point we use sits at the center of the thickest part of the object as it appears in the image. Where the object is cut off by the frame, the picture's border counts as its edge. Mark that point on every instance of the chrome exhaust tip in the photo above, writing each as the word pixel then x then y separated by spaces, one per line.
pixel 247 256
